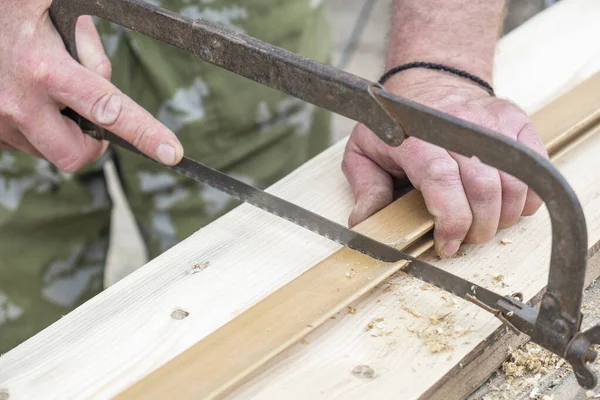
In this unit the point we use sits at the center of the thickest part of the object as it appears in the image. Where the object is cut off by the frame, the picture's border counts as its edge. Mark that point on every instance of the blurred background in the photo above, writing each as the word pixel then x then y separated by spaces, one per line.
pixel 360 30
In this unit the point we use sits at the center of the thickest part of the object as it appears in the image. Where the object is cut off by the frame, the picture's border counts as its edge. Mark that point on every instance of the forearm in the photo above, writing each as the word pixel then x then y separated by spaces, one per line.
pixel 457 33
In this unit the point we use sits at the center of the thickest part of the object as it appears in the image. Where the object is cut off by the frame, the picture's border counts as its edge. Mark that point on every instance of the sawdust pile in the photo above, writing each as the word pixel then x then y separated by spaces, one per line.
pixel 528 374
pixel 531 359
pixel 439 335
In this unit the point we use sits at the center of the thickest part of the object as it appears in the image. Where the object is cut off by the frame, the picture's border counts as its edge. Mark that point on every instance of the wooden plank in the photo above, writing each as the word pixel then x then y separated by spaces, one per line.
pixel 233 352
pixel 573 114
pixel 409 357
pixel 549 54
pixel 282 319
pixel 127 331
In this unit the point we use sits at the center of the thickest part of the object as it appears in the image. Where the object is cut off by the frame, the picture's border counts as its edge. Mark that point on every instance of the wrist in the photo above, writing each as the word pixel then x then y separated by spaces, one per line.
pixel 419 82
pixel 458 33
pixel 476 66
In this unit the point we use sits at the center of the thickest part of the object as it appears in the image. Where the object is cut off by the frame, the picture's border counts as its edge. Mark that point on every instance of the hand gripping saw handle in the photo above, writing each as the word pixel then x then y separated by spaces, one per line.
pixel 556 326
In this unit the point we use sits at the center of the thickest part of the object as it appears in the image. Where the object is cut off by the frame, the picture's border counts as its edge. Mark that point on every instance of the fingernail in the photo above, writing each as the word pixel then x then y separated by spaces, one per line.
pixel 166 154
pixel 107 109
pixel 451 248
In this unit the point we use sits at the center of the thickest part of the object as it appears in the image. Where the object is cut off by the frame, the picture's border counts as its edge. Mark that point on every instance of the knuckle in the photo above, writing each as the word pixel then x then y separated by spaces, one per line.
pixel 141 136
pixel 455 226
pixel 106 110
pixel 15 113
pixel 42 73
pixel 512 188
pixel 104 67
pixel 461 111
pixel 483 189
pixel 441 171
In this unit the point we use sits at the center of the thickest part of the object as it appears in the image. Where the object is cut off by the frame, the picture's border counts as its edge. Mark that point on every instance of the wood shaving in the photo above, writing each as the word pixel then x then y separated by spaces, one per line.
pixel 557 371
pixel 351 274
pixel 378 324
pixel 438 336
pixel 498 280
pixel 373 323
pixel 530 359
pixel 438 319
pixel 506 241
pixel 449 300
pixel 199 267
pixel 411 311
pixel 351 310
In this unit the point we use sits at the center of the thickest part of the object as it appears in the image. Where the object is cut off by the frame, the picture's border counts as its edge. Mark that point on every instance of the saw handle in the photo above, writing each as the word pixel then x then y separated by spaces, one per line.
pixel 557 325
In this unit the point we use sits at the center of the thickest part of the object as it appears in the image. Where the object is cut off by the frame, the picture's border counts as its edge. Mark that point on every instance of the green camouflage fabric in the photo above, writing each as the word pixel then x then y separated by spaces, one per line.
pixel 54 227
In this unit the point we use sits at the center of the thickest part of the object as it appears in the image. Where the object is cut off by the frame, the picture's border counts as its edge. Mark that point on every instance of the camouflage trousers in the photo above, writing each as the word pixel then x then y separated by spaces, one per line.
pixel 54 227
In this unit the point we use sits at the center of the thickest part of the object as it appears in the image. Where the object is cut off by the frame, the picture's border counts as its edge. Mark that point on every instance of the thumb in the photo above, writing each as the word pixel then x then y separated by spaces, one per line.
pixel 372 186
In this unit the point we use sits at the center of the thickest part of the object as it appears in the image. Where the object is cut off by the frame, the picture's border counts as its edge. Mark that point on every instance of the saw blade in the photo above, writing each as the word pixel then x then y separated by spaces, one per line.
pixel 322 226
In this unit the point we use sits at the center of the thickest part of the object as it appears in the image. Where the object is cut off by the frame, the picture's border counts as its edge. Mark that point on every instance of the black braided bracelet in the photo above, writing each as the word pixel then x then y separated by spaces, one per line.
pixel 440 67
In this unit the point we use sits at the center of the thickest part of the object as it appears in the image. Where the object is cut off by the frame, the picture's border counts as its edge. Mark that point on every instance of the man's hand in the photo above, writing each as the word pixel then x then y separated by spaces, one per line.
pixel 39 78
pixel 470 201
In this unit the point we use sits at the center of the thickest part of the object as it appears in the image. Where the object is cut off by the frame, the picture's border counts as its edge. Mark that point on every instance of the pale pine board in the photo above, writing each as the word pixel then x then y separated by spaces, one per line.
pixel 122 334
pixel 404 367
pixel 550 53
pixel 232 353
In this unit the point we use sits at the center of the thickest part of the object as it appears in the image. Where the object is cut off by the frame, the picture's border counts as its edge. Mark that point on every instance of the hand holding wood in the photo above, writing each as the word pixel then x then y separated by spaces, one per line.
pixel 470 201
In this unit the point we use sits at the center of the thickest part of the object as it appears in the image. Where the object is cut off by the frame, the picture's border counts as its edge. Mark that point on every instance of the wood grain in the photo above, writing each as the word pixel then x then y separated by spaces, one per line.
pixel 283 318
pixel 233 352
pixel 405 364
pixel 127 331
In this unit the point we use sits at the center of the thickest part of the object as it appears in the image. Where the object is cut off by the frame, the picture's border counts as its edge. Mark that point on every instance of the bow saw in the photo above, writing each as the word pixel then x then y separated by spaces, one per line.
pixel 556 326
